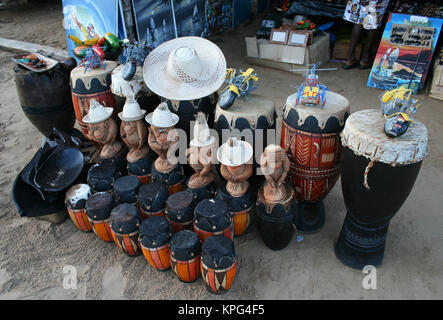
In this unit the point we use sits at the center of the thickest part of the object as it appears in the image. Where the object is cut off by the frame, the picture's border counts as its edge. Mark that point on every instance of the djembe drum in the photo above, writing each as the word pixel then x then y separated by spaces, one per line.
pixel 185 255
pixel 378 173
pixel 125 222
pixel 187 111
pixel 180 210
pixel 75 200
pixel 218 264
pixel 254 113
pixel 155 237
pixel 212 218
pixel 101 176
pixel 98 208
pixel 152 199
pixel 93 84
pixel 310 136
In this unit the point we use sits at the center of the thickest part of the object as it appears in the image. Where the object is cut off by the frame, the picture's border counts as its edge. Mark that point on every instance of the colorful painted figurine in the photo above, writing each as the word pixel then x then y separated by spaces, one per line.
pixel 135 55
pixel 93 59
pixel 398 107
pixel 239 85
pixel 103 129
pixel 311 91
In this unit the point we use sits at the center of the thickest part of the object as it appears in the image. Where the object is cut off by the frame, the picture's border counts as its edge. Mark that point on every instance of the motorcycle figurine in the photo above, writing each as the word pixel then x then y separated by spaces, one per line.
pixel 240 84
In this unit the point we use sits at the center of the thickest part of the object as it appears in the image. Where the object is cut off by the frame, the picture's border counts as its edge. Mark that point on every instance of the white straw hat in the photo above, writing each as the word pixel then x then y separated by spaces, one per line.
pixel 202 135
pixel 162 117
pixel 234 152
pixel 185 68
pixel 97 113
pixel 131 111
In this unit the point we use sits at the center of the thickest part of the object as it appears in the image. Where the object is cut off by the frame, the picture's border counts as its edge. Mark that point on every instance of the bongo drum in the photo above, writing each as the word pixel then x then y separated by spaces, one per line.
pixel 152 199
pixel 180 210
pixel 125 222
pixel 101 176
pixel 218 264
pixel 275 220
pixel 310 136
pixel 75 200
pixel 155 237
pixel 94 84
pixel 212 218
pixel 185 255
pixel 187 111
pixel 254 113
pixel 126 189
pixel 241 208
pixel 98 208
pixel 174 180
pixel 378 173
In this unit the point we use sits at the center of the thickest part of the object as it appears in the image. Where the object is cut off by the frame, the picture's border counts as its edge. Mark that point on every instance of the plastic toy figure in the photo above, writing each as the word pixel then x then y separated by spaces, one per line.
pixel 135 55
pixel 398 107
pixel 93 59
pixel 238 85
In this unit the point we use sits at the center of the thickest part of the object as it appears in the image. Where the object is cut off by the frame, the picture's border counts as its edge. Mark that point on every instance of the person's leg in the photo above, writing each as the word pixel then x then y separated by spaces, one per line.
pixel 369 48
pixel 355 38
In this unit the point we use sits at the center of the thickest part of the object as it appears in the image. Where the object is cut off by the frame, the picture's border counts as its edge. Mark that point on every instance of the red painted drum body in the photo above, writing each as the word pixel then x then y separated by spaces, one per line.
pixel 94 84
pixel 310 136
pixel 377 176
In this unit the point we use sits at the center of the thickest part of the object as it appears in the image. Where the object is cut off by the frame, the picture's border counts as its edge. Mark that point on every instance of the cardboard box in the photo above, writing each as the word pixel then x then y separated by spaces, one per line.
pixel 288 57
pixel 437 82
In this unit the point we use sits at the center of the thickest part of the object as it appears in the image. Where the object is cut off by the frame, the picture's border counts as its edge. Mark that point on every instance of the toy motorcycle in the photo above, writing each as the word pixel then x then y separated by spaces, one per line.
pixel 238 85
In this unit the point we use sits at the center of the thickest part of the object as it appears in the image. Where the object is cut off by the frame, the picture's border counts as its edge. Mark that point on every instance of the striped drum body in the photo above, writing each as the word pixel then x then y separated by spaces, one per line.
pixel 185 255
pixel 125 222
pixel 98 208
pixel 75 201
pixel 310 136
pixel 212 218
pixel 94 84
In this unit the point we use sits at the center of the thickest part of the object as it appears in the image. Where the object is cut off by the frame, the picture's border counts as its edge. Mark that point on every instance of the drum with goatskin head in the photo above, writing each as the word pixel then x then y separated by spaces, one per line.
pixel 378 173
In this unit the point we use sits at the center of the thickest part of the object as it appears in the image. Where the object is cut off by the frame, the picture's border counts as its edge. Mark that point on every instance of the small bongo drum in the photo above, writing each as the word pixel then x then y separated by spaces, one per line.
pixel 218 264
pixel 180 210
pixel 75 200
pixel 98 208
pixel 212 218
pixel 125 222
pixel 275 220
pixel 185 255
pixel 174 180
pixel 378 173
pixel 310 136
pixel 155 237
pixel 93 84
pixel 242 208
pixel 152 199
pixel 101 176
pixel 126 189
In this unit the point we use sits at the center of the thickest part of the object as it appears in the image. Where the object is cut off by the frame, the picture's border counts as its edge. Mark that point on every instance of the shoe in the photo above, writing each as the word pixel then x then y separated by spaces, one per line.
pixel 352 66
pixel 363 67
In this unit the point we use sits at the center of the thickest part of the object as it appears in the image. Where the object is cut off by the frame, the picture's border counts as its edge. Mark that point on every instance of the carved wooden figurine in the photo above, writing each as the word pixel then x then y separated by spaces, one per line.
pixel 275 166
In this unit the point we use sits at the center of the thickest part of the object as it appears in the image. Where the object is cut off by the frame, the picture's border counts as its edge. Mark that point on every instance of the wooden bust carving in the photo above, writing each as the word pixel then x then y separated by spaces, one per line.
pixel 234 155
pixel 201 154
pixel 133 130
pixel 103 129
pixel 162 122
pixel 275 165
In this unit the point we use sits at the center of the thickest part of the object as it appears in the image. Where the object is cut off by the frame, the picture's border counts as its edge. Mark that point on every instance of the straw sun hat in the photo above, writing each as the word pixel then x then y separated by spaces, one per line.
pixel 234 152
pixel 97 113
pixel 185 68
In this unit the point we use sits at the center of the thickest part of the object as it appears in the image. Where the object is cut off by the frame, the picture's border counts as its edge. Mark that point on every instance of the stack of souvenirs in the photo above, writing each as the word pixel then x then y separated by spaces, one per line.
pixel 139 193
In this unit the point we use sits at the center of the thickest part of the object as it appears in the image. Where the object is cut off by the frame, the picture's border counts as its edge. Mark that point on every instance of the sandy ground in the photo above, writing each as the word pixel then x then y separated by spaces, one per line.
pixel 33 252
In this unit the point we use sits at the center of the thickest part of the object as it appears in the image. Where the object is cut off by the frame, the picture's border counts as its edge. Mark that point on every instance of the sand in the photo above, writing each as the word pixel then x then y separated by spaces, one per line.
pixel 33 253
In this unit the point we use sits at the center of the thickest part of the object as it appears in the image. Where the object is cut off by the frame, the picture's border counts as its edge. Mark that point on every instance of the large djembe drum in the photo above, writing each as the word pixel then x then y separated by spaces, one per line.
pixel 310 136
pixel 94 84
pixel 378 174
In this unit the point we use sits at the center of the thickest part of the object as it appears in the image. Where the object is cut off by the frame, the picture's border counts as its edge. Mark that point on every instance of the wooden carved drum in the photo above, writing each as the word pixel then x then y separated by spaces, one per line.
pixel 75 201
pixel 101 176
pixel 218 264
pixel 180 210
pixel 378 173
pixel 310 136
pixel 125 222
pixel 94 84
pixel 185 255
pixel 152 199
pixel 98 208
pixel 126 189
pixel 155 237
